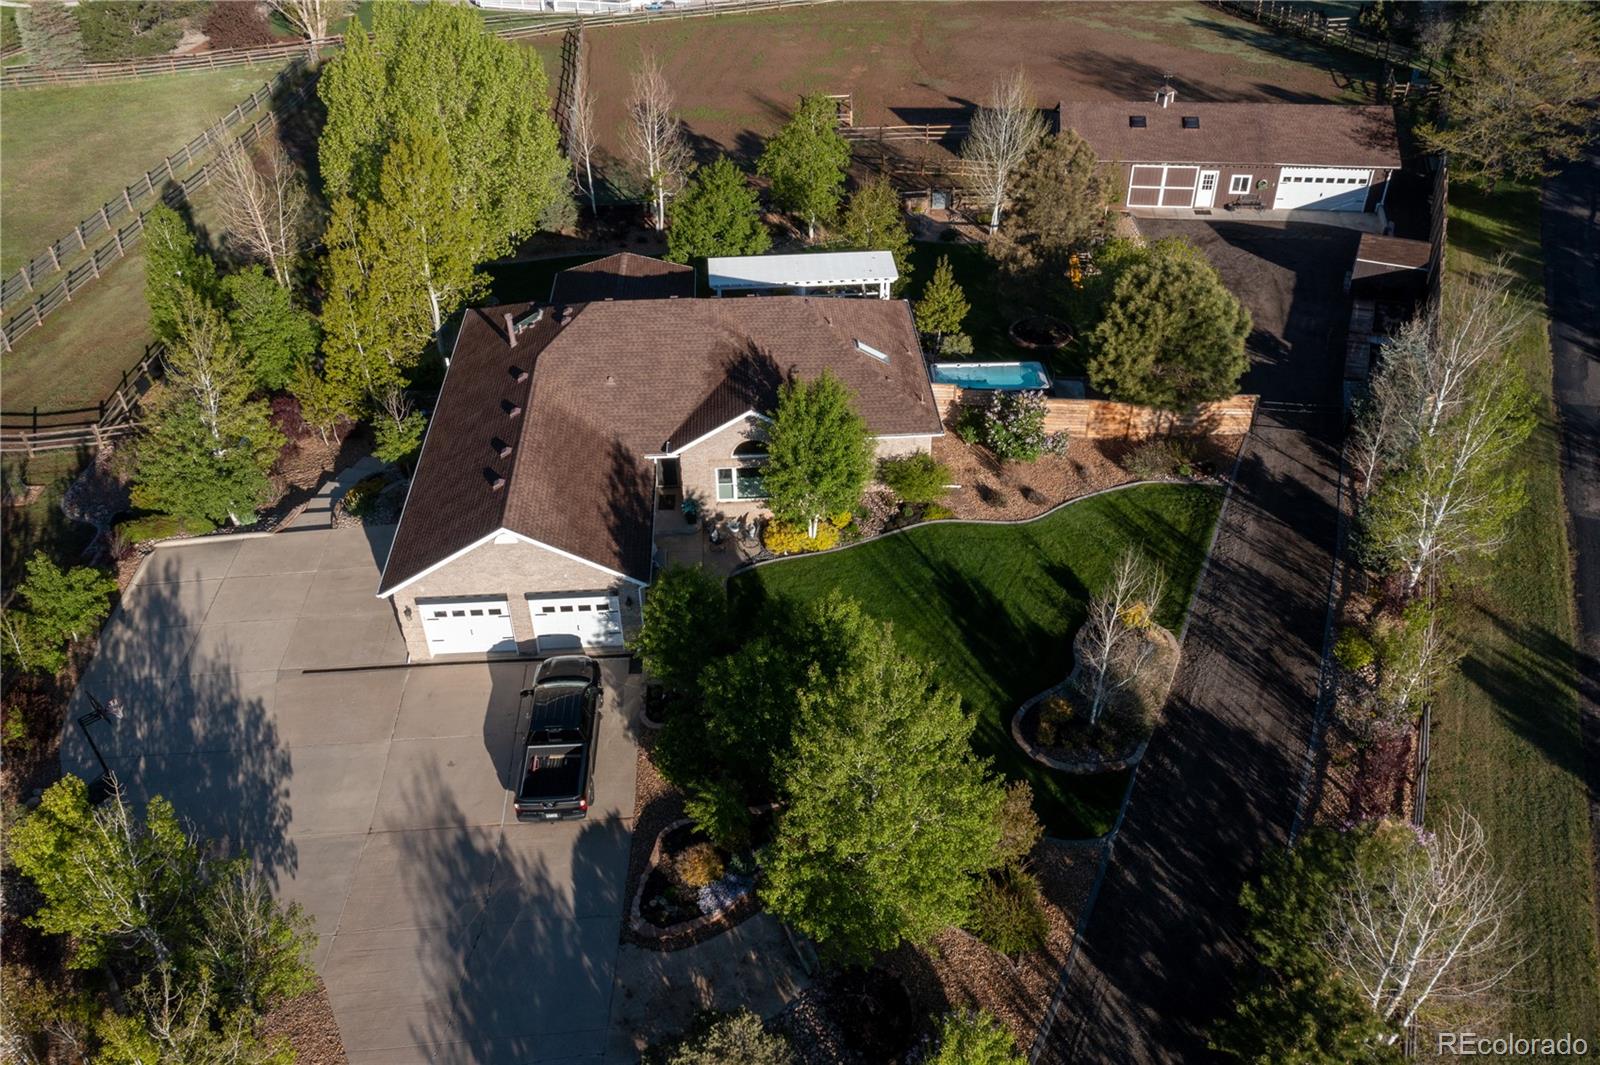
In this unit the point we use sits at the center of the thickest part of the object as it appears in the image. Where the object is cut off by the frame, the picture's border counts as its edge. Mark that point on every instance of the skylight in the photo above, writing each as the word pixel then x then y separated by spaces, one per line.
pixel 1191 121
pixel 1136 122
pixel 868 349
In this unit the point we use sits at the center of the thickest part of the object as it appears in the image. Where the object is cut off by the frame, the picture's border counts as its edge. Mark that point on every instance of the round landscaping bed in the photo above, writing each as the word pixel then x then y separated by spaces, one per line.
pixel 1054 730
pixel 1040 332
pixel 692 889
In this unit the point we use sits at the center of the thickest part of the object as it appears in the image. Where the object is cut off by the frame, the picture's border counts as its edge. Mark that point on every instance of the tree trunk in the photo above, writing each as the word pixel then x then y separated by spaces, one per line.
pixel 994 217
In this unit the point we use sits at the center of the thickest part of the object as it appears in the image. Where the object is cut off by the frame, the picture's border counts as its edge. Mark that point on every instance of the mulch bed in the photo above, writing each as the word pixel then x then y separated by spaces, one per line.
pixel 307 1022
pixel 1011 491
pixel 656 804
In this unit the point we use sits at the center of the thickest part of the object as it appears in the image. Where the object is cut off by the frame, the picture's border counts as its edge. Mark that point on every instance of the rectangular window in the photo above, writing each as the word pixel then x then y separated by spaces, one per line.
pixel 1239 184
pixel 744 482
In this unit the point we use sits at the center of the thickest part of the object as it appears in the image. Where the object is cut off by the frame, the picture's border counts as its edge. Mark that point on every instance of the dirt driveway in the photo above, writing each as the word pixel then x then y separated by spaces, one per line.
pixel 268 699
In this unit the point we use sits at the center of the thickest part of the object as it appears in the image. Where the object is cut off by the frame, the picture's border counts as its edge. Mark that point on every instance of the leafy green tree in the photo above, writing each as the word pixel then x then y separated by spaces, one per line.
pixel 489 97
pixel 685 624
pixel 374 329
pixel 254 949
pixel 716 214
pixel 173 265
pixel 943 306
pixel 819 454
pixel 209 445
pixel 732 1039
pixel 176 1019
pixel 915 478
pixel 975 1039
pixel 49 33
pixel 806 162
pixel 1172 336
pixel 323 404
pixel 397 435
pixel 1294 1007
pixel 55 606
pixel 1519 92
pixel 1058 205
pixel 890 815
pixel 275 334
pixel 873 221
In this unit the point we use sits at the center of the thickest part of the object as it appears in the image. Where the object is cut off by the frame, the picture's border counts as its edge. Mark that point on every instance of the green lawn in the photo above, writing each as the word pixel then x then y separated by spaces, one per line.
pixel 995 606
pixel 1505 736
pixel 65 151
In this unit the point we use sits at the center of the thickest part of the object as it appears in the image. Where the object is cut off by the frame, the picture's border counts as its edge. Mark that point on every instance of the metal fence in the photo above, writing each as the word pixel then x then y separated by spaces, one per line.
pixel 78 264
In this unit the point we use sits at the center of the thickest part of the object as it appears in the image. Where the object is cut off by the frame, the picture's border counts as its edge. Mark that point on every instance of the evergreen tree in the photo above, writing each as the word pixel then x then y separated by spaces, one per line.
pixel 873 221
pixel 1172 336
pixel 53 608
pixel 1519 92
pixel 1058 205
pixel 209 445
pixel 274 333
pixel 806 162
pixel 716 214
pixel 49 34
pixel 172 265
pixel 819 454
pixel 943 306
pixel 890 815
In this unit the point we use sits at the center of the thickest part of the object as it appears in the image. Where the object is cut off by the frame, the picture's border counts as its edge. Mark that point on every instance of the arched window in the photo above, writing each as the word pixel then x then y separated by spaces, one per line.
pixel 751 449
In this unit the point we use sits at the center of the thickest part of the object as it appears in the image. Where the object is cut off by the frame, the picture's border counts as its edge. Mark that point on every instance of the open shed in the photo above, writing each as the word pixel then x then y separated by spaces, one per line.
pixel 840 273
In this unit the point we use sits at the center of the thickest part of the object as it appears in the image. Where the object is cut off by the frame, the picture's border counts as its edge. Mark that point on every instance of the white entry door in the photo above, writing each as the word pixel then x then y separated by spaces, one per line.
pixel 568 622
pixel 467 626
pixel 1206 194
pixel 1322 188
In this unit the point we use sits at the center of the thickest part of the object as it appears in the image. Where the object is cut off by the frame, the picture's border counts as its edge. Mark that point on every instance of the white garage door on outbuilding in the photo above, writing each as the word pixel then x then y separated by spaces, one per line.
pixel 566 622
pixel 1322 188
pixel 467 626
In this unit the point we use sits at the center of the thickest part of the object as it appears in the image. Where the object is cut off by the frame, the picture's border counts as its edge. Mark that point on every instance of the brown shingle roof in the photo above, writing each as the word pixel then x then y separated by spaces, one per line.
pixel 1277 134
pixel 613 383
pixel 623 276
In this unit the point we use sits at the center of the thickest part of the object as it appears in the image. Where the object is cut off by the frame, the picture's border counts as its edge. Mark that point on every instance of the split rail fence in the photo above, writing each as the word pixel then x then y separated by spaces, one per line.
pixel 24 77
pixel 78 263
pixel 35 432
pixel 1298 20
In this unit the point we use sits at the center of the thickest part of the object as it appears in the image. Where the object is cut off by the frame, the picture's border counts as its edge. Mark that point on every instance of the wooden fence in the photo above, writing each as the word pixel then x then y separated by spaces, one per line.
pixel 78 264
pixel 23 77
pixel 32 432
pixel 1298 20
pixel 708 8
pixel 1101 419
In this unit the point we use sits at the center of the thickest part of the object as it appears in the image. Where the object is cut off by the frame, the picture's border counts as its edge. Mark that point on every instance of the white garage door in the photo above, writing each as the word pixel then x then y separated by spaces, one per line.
pixel 467 626
pixel 1322 188
pixel 576 621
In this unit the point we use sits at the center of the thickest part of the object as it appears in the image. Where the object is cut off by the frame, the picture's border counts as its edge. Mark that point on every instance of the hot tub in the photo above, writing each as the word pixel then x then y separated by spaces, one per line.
pixel 991 376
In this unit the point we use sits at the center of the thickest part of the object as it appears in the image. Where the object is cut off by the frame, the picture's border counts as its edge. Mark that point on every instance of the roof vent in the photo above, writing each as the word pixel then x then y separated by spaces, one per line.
pixel 496 482
pixel 502 448
pixel 511 409
pixel 1191 121
pixel 868 349
pixel 1136 122
pixel 518 374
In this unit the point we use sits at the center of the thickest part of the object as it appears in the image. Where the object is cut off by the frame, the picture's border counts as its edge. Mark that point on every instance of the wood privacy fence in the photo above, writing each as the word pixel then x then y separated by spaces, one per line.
pixel 75 263
pixel 1101 419
pixel 36 431
pixel 23 77
pixel 1299 20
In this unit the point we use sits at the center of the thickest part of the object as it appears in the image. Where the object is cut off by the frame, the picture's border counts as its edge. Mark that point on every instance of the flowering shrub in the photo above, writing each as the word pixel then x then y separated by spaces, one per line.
pixel 876 510
pixel 784 539
pixel 1011 424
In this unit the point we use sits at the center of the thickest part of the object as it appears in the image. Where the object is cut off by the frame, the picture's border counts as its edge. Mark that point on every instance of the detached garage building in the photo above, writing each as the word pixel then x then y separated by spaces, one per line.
pixel 1181 157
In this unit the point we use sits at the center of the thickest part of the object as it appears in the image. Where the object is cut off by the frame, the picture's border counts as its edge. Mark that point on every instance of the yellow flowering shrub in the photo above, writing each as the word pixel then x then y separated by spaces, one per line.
pixel 784 539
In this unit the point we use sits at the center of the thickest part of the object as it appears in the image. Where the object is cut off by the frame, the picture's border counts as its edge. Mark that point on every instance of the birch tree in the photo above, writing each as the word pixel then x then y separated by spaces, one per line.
pixel 581 141
pixel 265 205
pixel 1427 927
pixel 999 139
pixel 806 162
pixel 1388 420
pixel 1113 647
pixel 654 136
pixel 312 19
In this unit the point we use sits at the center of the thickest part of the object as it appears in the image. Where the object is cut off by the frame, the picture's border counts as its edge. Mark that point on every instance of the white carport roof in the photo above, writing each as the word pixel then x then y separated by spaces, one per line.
pixel 801 271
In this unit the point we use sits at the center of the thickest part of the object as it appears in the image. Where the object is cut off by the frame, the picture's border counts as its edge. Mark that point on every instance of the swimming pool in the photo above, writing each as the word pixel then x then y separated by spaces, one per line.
pixel 994 376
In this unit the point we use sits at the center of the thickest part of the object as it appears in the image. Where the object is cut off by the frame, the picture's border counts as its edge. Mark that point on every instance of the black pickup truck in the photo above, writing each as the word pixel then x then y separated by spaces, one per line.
pixel 558 757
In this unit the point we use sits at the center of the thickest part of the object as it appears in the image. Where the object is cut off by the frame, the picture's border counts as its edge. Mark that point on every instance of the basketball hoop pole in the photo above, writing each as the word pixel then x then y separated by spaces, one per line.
pixel 107 778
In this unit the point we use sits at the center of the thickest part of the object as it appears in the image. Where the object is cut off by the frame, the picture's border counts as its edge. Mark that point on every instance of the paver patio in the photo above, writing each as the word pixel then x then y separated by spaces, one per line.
pixel 267 696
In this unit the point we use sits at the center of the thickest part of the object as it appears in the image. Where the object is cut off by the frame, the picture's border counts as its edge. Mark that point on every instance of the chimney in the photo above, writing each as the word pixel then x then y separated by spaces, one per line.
pixel 1166 94
pixel 511 331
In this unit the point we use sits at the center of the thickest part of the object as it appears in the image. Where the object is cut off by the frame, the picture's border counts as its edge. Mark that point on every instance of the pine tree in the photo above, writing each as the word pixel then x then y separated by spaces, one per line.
pixel 274 333
pixel 806 161
pixel 890 814
pixel 1058 205
pixel 173 265
pixel 873 221
pixel 717 214
pixel 49 33
pixel 943 306
pixel 209 445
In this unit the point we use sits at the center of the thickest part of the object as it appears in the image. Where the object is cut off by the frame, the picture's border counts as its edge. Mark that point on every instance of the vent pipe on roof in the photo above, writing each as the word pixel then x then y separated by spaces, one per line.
pixel 496 482
pixel 518 374
pixel 511 331
pixel 501 448
pixel 511 409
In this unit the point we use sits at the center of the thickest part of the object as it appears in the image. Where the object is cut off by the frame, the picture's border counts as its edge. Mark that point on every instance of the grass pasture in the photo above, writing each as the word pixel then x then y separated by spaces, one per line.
pixel 1505 740
pixel 995 606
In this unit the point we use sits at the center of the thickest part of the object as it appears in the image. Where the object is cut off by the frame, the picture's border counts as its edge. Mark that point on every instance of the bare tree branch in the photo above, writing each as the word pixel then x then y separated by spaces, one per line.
pixel 1113 649
pixel 999 139
pixel 311 18
pixel 581 140
pixel 655 138
pixel 265 205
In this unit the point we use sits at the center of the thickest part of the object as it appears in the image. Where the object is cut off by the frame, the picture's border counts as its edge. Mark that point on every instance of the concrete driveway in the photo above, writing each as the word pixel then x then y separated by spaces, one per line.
pixel 268 698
